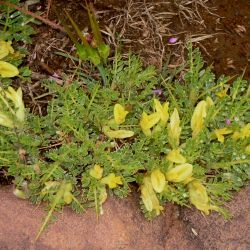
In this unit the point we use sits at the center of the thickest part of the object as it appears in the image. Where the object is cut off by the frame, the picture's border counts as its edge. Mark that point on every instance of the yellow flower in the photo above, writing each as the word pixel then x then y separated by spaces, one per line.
pixel 67 195
pixel 187 180
pixel 162 110
pixel 175 156
pixel 247 149
pixel 223 92
pixel 149 197
pixel 119 114
pixel 6 121
pixel 148 121
pixel 5 49
pixel 118 134
pixel 174 129
pixel 112 181
pixel 19 193
pixel 209 101
pixel 17 98
pixel 8 70
pixel 179 173
pixel 197 120
pixel 158 180
pixel 96 172
pixel 243 133
pixel 68 187
pixel 221 132
pixel 198 197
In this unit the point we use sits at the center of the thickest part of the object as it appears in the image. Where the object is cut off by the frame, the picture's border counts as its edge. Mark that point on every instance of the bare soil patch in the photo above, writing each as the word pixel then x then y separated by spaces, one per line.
pixel 219 28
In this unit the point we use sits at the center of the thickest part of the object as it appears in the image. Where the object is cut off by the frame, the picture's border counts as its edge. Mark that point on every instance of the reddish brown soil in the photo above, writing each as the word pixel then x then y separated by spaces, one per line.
pixel 123 227
pixel 228 23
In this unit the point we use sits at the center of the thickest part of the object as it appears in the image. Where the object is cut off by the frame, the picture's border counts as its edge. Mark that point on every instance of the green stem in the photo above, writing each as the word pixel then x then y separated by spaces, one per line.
pixel 7 19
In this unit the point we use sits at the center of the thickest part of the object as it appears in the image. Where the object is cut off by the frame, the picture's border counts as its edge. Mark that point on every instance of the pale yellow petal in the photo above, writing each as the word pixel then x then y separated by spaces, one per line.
pixel 247 149
pixel 96 172
pixel 243 133
pixel 68 187
pixel 148 121
pixel 158 180
pixel 246 131
pixel 17 99
pixel 175 156
pixel 8 70
pixel 112 181
pixel 6 121
pixel 149 197
pixel 19 193
pixel 146 199
pixel 174 129
pixel 162 110
pixel 179 173
pixel 221 132
pixel 5 49
pixel 119 114
pixel 236 135
pixel 67 197
pixel 117 134
pixel 197 120
pixel 223 92
pixel 3 52
pixel 156 204
pixel 198 196
pixel 146 193
pixel 209 101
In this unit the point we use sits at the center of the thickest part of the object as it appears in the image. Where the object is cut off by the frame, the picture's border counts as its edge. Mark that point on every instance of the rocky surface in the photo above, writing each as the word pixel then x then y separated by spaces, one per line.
pixel 123 227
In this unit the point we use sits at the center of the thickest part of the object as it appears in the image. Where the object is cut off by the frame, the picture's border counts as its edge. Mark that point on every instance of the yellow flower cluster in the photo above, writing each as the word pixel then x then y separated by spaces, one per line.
pixel 6 69
pixel 111 180
pixel 161 116
pixel 241 134
pixel 156 183
pixel 180 171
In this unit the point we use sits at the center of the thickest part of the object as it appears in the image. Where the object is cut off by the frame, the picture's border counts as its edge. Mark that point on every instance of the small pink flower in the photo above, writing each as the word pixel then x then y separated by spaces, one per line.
pixel 157 91
pixel 228 121
pixel 172 40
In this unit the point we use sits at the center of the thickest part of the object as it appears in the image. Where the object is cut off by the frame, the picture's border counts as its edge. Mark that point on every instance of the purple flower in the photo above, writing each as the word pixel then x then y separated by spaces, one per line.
pixel 157 91
pixel 172 40
pixel 228 121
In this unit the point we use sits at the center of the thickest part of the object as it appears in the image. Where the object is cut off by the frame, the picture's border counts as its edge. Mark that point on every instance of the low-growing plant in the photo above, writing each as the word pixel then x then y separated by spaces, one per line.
pixel 182 141
pixel 91 47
